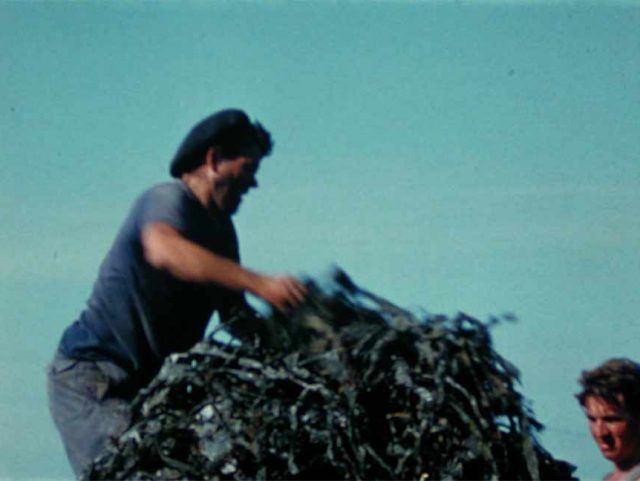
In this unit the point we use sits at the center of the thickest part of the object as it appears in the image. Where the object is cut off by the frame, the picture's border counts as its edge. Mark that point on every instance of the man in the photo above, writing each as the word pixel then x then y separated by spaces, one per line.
pixel 610 397
pixel 173 263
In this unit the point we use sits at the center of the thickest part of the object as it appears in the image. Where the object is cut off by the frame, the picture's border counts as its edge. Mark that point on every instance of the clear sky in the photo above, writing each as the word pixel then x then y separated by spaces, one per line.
pixel 456 156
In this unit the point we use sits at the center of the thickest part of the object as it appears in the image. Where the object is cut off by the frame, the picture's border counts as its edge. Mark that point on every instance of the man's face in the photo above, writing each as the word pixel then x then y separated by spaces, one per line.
pixel 234 177
pixel 614 431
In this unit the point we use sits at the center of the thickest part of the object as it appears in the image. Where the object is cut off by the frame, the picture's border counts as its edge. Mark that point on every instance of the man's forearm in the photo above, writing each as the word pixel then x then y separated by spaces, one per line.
pixel 165 248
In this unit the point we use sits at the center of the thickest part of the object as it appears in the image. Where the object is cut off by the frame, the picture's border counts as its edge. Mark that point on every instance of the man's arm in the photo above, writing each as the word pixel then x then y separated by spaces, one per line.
pixel 166 248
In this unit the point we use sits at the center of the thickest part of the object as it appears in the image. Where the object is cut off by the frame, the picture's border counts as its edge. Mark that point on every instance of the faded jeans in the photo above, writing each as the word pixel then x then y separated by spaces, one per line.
pixel 86 406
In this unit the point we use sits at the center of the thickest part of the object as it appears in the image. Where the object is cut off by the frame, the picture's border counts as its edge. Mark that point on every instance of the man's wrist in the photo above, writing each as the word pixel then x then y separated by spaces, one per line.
pixel 254 282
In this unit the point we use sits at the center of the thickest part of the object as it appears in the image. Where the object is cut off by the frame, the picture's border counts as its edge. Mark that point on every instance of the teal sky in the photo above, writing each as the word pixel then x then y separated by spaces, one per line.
pixel 456 156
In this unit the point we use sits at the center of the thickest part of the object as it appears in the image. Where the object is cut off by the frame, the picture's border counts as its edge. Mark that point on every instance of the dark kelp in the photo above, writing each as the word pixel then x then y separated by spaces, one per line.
pixel 348 386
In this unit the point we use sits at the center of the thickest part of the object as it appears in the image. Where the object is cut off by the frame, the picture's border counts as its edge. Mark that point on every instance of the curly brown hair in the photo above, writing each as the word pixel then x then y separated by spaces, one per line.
pixel 617 381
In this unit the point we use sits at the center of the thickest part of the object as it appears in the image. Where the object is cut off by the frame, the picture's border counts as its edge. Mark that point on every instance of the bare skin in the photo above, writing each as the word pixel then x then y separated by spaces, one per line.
pixel 218 184
pixel 616 433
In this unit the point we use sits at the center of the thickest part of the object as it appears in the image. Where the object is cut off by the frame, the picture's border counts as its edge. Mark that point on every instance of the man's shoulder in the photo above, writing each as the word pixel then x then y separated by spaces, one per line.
pixel 163 202
pixel 170 192
pixel 171 187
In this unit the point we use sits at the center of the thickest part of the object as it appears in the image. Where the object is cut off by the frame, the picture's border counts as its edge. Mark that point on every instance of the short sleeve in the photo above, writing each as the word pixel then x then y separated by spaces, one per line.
pixel 164 203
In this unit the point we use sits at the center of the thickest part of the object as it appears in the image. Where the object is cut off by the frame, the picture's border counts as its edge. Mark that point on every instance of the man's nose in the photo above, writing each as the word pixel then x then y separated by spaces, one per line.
pixel 600 428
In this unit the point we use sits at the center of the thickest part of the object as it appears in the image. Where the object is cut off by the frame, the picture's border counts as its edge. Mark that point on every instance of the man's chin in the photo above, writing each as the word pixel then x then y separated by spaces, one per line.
pixel 610 454
pixel 232 207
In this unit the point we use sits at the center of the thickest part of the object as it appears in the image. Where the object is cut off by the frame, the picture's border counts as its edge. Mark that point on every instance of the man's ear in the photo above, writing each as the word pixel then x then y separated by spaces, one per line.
pixel 212 159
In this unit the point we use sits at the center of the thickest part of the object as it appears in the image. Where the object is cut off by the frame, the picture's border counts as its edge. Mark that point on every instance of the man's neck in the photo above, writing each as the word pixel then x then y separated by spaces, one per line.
pixel 197 183
pixel 622 470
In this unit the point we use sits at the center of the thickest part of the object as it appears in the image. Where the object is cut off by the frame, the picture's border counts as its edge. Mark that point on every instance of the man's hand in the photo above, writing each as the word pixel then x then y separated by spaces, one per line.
pixel 281 291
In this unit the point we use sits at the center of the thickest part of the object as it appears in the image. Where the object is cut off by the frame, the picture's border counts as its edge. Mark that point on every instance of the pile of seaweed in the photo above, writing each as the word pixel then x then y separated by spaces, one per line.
pixel 348 386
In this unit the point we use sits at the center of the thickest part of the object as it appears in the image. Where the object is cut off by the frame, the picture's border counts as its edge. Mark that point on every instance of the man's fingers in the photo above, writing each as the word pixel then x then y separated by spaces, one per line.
pixel 297 290
pixel 282 292
pixel 293 292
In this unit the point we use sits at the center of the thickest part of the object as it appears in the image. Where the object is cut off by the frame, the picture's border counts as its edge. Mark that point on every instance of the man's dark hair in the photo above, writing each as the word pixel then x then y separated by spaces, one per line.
pixel 235 140
pixel 616 381
pixel 230 132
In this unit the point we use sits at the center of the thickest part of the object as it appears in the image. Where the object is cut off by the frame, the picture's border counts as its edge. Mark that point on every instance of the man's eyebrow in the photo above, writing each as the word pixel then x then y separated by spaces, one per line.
pixel 613 417
pixel 609 418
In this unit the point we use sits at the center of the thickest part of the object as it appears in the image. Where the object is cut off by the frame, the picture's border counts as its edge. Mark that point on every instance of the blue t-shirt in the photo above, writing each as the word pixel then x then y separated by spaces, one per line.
pixel 138 314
